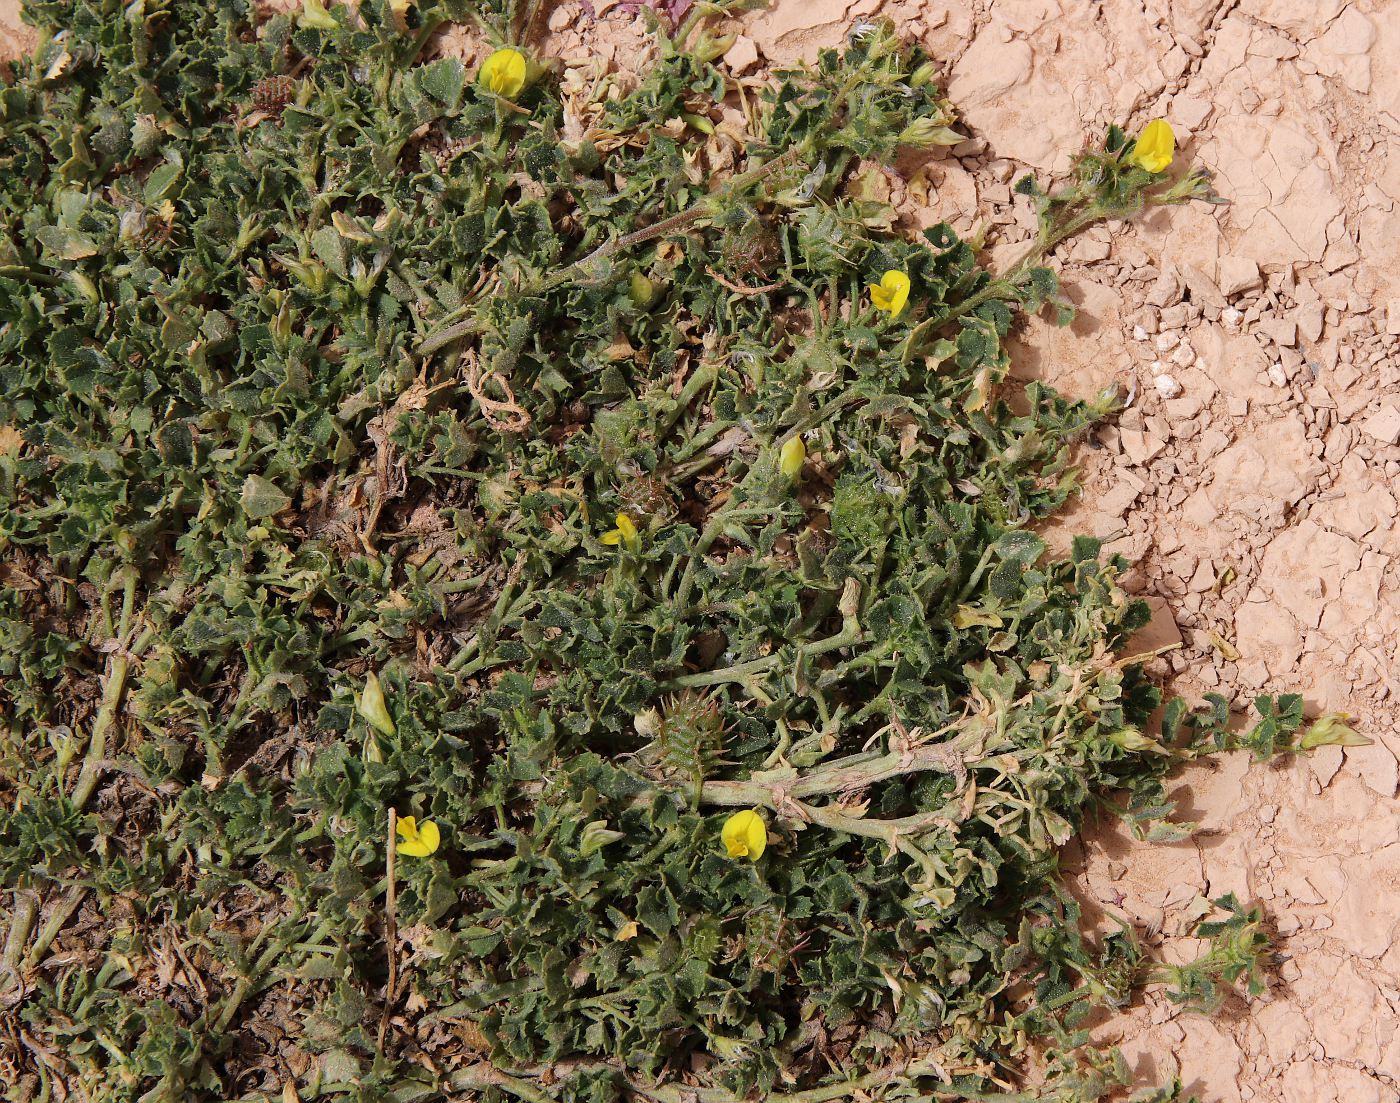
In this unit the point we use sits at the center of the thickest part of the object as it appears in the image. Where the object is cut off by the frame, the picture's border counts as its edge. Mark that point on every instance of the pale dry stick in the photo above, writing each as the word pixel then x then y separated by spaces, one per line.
pixel 391 925
pixel 739 288
pixel 504 416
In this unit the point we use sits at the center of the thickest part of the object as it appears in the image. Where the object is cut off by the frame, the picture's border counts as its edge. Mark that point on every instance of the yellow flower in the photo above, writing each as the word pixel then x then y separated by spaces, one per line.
pixel 1155 148
pixel 625 533
pixel 745 835
pixel 891 293
pixel 791 456
pixel 504 73
pixel 417 840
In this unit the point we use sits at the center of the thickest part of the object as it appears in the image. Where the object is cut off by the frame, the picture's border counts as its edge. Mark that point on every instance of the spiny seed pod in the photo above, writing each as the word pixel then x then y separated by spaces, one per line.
pixel 767 940
pixel 751 248
pixel 646 495
pixel 271 94
pixel 687 740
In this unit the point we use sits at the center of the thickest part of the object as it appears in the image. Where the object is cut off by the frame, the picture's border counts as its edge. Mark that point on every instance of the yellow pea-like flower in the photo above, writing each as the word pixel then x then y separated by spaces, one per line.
pixel 791 457
pixel 745 835
pixel 418 840
pixel 891 293
pixel 1155 148
pixel 504 73
pixel 625 533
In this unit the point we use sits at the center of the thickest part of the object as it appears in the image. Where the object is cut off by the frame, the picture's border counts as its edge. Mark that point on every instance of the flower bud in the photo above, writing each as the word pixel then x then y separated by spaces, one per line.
pixel 597 835
pixel 791 457
pixel 1332 730
pixel 925 133
pixel 86 288
pixel 1133 740
pixel 372 707
pixel 708 48
pixel 922 75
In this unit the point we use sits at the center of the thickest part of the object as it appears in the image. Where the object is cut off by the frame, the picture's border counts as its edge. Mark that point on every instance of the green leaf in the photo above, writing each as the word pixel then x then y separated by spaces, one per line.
pixel 67 244
pixel 261 499
pixel 161 184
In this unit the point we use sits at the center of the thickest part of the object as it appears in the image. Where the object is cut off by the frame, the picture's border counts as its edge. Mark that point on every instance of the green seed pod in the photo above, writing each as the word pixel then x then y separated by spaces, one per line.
pixel 641 290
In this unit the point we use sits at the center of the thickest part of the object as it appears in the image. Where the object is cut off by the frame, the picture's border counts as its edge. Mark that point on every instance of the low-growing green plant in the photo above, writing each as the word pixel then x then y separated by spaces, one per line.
pixel 600 500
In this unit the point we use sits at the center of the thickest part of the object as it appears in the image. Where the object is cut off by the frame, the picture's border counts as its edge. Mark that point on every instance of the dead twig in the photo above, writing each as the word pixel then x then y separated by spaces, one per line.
pixel 742 289
pixel 505 416
pixel 391 926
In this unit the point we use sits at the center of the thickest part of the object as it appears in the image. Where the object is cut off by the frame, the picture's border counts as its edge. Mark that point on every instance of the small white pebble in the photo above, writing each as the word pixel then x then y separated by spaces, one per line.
pixel 1184 355
pixel 1140 334
pixel 1167 341
pixel 1231 317
pixel 1166 385
pixel 1277 376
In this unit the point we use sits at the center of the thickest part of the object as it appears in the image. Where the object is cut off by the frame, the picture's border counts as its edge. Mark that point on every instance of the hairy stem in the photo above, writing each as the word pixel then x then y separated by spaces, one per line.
pixel 25 911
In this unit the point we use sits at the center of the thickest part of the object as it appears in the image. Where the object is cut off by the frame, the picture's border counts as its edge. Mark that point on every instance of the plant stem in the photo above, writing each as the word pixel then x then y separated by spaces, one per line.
pixel 111 696
pixel 55 923
pixel 694 213
pixel 26 910
pixel 736 673
pixel 481 1076
pixel 97 743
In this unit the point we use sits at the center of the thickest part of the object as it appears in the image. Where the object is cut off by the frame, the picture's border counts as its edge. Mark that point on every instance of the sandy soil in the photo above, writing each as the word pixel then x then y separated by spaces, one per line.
pixel 15 38
pixel 1251 484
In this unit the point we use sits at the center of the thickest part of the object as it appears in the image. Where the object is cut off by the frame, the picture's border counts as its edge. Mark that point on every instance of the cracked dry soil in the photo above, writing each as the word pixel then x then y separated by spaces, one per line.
pixel 1252 483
